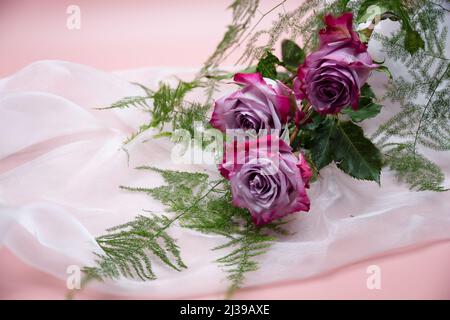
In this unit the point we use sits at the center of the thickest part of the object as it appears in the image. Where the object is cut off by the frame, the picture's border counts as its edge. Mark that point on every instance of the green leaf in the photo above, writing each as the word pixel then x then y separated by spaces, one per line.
pixel 385 70
pixel 345 144
pixel 367 92
pixel 267 66
pixel 413 41
pixel 396 8
pixel 322 145
pixel 355 154
pixel 370 13
pixel 368 111
pixel 342 5
pixel 366 107
pixel 292 54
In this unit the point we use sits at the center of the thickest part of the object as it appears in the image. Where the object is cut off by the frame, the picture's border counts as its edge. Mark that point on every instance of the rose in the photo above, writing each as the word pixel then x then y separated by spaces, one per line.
pixel 331 77
pixel 266 178
pixel 261 104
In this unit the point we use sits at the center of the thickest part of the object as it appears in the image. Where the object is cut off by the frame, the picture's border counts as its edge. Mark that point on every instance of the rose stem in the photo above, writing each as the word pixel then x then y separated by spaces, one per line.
pixel 297 128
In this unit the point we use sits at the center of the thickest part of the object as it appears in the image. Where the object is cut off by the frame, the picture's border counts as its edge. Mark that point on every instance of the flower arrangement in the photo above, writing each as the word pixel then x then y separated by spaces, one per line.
pixel 328 80
pixel 290 118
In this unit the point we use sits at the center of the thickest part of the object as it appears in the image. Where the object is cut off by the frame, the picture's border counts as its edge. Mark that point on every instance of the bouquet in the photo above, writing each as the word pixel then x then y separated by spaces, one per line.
pixel 290 117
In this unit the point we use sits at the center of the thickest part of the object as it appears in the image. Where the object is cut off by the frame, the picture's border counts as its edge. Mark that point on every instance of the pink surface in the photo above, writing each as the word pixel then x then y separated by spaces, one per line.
pixel 421 273
pixel 173 33
pixel 113 35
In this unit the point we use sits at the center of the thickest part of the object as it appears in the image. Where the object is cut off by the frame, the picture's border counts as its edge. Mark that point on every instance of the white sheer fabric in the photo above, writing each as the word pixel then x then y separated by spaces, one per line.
pixel 61 163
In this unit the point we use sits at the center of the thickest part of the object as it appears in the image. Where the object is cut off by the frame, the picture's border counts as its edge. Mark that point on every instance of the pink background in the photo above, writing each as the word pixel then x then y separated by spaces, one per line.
pixel 131 34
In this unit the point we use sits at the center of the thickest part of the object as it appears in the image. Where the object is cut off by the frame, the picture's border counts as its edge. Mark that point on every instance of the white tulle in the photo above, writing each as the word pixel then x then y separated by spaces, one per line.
pixel 61 162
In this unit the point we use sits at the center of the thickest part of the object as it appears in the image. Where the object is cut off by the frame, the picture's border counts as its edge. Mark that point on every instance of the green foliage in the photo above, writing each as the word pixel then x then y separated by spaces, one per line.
pixel 167 101
pixel 243 13
pixel 385 70
pixel 198 204
pixel 128 102
pixel 214 214
pixel 342 6
pixel 322 144
pixel 246 246
pixel 292 54
pixel 424 119
pixel 355 154
pixel 304 21
pixel 414 169
pixel 134 101
pixel 367 108
pixel 127 248
pixel 196 112
pixel 412 40
pixel 345 143
pixel 364 112
pixel 169 108
pixel 368 13
pixel 267 66
pixel 205 206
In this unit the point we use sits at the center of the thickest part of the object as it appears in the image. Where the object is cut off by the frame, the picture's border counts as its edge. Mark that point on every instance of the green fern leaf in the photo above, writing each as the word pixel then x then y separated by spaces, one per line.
pixel 127 248
pixel 198 204
pixel 414 169
pixel 355 154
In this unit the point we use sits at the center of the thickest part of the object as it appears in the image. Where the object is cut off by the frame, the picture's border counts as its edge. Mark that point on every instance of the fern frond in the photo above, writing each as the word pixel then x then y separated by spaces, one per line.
pixel 243 13
pixel 127 248
pixel 199 204
pixel 143 128
pixel 418 172
pixel 304 21
pixel 425 116
pixel 168 107
pixel 128 102
pixel 167 100
pixel 242 259
pixel 424 119
pixel 132 101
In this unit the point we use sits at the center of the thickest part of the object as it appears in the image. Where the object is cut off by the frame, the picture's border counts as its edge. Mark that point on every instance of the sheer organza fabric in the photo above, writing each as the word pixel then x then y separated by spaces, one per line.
pixel 61 162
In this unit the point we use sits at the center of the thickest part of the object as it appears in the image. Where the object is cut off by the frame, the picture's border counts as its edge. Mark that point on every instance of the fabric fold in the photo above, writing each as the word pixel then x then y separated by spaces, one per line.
pixel 61 162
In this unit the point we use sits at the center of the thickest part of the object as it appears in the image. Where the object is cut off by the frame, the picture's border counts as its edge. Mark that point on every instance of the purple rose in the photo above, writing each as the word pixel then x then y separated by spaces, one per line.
pixel 261 104
pixel 266 178
pixel 331 77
